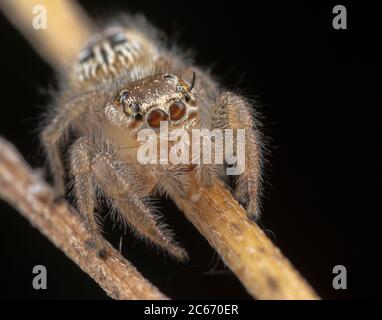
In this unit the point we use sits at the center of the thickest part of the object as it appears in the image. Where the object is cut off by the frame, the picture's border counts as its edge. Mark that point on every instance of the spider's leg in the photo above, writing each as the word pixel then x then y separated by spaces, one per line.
pixel 84 190
pixel 120 183
pixel 173 180
pixel 206 170
pixel 52 134
pixel 234 112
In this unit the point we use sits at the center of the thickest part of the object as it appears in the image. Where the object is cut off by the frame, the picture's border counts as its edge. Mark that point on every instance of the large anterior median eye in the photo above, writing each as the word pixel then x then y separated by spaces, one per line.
pixel 177 111
pixel 155 117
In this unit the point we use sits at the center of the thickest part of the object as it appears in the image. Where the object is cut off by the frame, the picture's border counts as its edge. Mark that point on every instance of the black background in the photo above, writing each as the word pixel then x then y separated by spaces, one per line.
pixel 320 90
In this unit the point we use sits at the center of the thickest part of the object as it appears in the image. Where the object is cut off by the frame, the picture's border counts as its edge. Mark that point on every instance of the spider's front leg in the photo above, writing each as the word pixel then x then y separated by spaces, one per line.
pixel 124 187
pixel 52 135
pixel 84 191
pixel 234 112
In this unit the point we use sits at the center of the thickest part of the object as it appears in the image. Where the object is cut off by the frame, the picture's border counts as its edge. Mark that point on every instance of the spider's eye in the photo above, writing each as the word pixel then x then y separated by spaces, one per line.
pixel 155 117
pixel 177 110
pixel 132 109
pixel 124 95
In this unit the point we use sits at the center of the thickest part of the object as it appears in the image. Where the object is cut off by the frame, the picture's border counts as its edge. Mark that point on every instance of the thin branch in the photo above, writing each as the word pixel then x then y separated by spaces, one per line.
pixel 27 192
pixel 244 247
pixel 66 29
pixel 260 266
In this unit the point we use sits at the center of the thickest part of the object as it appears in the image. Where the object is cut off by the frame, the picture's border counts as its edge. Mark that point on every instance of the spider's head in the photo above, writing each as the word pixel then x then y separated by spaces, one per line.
pixel 163 97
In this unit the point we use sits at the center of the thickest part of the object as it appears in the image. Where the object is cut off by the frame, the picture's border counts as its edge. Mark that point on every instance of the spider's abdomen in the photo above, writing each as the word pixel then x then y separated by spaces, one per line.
pixel 116 50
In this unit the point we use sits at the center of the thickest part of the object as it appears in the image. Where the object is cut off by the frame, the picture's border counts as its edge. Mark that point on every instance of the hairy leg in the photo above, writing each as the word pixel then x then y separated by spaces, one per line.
pixel 119 183
pixel 84 190
pixel 208 167
pixel 234 112
pixel 172 180
pixel 53 132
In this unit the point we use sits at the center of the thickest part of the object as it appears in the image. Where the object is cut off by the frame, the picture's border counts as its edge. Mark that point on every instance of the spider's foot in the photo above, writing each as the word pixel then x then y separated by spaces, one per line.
pixel 102 252
pixel 204 174
pixel 59 193
pixel 59 198
pixel 178 252
pixel 253 211
pixel 97 244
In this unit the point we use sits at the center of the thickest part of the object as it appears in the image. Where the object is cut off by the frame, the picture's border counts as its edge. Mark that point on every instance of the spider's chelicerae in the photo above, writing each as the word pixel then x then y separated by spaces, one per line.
pixel 126 79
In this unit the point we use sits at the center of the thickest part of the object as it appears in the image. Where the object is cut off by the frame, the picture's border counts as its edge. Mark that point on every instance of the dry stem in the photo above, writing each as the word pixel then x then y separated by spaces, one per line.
pixel 27 192
pixel 244 247
pixel 260 266
pixel 67 27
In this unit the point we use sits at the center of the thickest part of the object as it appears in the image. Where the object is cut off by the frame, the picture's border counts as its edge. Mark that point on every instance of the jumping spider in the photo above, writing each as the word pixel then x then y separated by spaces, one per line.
pixel 126 79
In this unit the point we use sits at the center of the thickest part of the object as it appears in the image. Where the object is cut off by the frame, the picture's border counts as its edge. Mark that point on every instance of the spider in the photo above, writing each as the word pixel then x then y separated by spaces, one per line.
pixel 124 79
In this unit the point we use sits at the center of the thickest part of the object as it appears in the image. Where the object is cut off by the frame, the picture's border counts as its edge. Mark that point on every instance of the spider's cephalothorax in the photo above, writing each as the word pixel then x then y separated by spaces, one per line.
pixel 125 80
pixel 148 101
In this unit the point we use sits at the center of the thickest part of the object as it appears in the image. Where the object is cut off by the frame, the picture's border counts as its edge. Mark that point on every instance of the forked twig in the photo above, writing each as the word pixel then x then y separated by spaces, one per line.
pixel 244 247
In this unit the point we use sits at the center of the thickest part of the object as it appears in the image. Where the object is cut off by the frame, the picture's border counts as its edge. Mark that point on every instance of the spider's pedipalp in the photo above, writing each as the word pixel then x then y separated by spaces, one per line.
pixel 173 180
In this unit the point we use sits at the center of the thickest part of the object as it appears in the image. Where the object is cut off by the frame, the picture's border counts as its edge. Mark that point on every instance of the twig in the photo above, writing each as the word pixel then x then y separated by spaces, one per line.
pixel 260 266
pixel 66 29
pixel 27 192
pixel 244 247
